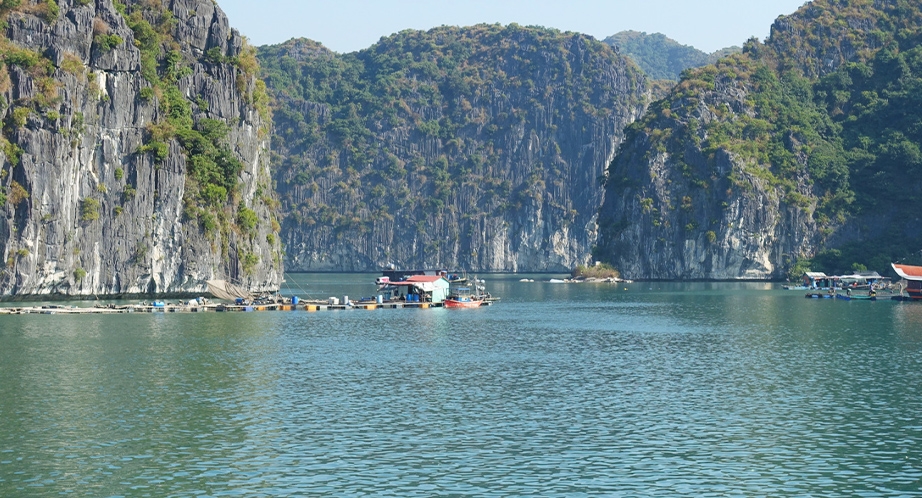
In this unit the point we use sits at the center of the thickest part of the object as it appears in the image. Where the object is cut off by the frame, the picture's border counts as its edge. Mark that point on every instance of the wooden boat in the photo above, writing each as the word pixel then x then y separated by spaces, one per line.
pixel 862 286
pixel 463 302
pixel 857 297
pixel 882 291
pixel 463 296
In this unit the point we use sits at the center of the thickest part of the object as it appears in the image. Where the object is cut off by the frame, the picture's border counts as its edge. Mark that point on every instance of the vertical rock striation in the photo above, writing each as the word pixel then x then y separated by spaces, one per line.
pixel 479 147
pixel 104 167
pixel 744 169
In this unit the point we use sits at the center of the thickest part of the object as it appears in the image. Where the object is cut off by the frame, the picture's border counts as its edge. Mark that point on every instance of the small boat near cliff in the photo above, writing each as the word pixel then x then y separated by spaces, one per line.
pixel 463 302
pixel 862 286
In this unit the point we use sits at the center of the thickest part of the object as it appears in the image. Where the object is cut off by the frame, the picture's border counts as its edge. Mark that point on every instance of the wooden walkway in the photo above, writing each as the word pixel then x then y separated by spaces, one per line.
pixel 211 308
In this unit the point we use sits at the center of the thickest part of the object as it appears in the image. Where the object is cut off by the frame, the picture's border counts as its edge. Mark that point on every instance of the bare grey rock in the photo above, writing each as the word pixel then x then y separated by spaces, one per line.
pixel 519 189
pixel 679 215
pixel 101 217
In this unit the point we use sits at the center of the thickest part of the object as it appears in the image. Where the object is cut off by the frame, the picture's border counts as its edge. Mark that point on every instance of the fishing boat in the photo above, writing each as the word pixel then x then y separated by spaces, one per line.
pixel 864 296
pixel 464 295
pixel 463 302
pixel 861 286
pixel 865 286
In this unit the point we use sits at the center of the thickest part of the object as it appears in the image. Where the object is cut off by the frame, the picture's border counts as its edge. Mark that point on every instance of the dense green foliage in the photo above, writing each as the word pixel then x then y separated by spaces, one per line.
pixel 827 110
pixel 162 67
pixel 873 99
pixel 663 58
pixel 602 271
pixel 213 169
pixel 399 130
pixel 824 34
pixel 878 105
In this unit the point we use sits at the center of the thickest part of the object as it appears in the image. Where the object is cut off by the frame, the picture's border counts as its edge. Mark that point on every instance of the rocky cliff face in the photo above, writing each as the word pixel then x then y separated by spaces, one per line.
pixel 741 171
pixel 696 215
pixel 134 156
pixel 480 148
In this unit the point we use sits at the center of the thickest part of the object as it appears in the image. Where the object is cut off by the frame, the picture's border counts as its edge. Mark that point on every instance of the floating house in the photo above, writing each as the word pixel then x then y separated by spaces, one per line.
pixel 429 288
pixel 816 280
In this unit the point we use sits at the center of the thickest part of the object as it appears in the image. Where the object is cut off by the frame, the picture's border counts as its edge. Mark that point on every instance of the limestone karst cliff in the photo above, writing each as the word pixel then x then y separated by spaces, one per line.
pixel 801 151
pixel 480 147
pixel 134 151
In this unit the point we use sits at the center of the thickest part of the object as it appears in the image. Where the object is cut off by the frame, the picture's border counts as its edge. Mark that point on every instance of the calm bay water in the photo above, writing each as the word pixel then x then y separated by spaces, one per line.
pixel 593 389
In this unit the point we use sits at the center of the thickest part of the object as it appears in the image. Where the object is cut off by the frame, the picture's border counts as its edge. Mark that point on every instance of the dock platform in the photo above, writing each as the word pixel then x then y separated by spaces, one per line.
pixel 213 308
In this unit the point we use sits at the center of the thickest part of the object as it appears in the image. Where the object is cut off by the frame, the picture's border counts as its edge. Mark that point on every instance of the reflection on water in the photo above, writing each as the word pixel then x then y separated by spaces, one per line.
pixel 642 389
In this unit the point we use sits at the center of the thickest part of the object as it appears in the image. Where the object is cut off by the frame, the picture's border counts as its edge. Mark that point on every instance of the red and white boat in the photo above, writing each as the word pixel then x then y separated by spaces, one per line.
pixel 913 277
pixel 463 302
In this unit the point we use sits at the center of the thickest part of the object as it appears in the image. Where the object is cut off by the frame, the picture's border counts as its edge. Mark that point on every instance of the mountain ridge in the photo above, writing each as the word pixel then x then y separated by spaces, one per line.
pixel 661 57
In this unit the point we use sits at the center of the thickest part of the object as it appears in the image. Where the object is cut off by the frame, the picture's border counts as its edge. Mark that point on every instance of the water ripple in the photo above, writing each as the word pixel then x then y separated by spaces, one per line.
pixel 568 391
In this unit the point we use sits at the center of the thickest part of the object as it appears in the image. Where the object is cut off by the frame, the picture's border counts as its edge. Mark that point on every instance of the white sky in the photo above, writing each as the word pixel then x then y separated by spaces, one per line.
pixel 351 25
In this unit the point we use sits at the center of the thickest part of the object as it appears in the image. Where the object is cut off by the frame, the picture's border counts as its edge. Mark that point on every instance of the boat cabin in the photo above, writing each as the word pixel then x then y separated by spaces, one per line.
pixel 817 280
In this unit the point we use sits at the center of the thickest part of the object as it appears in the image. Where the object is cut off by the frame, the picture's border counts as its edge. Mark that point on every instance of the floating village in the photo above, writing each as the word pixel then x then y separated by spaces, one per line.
pixel 424 289
pixel 864 286
pixel 395 289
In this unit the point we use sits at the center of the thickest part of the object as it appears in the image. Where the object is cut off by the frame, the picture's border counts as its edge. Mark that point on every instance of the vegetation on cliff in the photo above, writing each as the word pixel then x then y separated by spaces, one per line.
pixel 825 113
pixel 119 115
pixel 661 57
pixel 212 182
pixel 410 150
pixel 599 271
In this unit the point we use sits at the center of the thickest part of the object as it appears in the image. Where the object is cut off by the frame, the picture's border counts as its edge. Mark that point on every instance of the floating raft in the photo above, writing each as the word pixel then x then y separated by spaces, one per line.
pixel 214 308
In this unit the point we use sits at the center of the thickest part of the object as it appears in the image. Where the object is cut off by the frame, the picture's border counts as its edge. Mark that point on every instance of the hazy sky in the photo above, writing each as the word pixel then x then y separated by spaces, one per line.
pixel 350 25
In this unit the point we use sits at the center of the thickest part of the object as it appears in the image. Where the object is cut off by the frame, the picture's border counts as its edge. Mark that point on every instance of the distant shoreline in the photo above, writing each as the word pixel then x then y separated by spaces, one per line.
pixel 638 280
pixel 17 298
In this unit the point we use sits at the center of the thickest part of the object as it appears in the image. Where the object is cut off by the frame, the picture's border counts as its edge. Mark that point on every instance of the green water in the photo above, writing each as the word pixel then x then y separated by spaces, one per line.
pixel 567 390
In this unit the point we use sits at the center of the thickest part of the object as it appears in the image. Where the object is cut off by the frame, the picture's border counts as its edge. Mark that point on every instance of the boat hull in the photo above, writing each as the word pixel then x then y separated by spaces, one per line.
pixel 856 297
pixel 454 303
pixel 820 295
